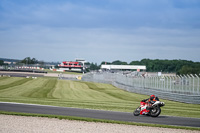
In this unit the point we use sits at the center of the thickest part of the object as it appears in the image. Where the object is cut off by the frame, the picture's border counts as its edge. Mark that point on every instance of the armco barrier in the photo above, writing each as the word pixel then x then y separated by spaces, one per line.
pixel 184 88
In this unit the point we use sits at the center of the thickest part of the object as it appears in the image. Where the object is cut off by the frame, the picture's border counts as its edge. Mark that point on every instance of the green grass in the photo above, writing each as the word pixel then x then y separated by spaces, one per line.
pixel 51 91
pixel 15 83
pixel 97 120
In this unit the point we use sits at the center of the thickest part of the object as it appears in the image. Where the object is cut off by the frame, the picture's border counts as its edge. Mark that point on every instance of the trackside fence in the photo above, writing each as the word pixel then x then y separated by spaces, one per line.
pixel 184 88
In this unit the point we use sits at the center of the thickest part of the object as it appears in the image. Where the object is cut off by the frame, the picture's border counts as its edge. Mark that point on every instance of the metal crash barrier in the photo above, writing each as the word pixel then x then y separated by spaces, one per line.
pixel 183 88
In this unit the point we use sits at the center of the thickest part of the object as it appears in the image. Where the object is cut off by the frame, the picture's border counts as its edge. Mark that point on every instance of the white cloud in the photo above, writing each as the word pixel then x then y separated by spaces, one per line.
pixel 106 30
pixel 54 44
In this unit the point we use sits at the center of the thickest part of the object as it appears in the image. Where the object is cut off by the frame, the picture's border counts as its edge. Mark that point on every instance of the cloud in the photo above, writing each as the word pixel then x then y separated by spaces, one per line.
pixel 99 44
pixel 102 14
pixel 100 30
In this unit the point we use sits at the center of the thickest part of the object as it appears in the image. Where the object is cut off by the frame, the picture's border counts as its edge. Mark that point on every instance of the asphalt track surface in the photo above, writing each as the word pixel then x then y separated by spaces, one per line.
pixel 98 114
pixel 20 74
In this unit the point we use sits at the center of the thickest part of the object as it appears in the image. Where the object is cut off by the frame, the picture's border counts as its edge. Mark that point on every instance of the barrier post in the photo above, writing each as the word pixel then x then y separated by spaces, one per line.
pixel 179 86
pixel 182 83
pixel 169 83
pixel 197 84
pixel 192 83
pixel 189 83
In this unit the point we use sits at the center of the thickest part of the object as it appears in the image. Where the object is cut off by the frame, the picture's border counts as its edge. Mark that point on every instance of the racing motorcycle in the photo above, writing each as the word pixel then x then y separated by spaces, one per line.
pixel 150 109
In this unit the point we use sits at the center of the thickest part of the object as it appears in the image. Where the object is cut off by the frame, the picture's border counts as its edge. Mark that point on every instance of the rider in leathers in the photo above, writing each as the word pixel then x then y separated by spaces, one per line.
pixel 150 100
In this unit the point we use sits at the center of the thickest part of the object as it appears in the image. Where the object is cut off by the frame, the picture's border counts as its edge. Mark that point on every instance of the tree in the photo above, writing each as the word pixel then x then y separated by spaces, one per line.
pixel 168 65
pixel 2 62
pixel 135 63
pixel 34 61
pixel 28 60
pixel 118 62
pixel 105 63
pixel 94 66
pixel 189 70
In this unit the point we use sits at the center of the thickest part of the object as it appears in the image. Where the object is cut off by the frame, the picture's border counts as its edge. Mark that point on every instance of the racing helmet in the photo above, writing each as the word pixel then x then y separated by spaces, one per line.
pixel 152 97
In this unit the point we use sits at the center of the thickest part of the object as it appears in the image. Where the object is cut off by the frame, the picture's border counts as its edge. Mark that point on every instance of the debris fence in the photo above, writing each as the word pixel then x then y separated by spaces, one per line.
pixel 182 88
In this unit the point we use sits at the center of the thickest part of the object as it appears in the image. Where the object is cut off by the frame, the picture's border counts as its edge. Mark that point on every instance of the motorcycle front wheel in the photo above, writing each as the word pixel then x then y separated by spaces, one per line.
pixel 137 112
pixel 155 112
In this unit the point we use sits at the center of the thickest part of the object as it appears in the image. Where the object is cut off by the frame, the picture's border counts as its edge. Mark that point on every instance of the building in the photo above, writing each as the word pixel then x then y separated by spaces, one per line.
pixel 78 65
pixel 70 66
pixel 123 67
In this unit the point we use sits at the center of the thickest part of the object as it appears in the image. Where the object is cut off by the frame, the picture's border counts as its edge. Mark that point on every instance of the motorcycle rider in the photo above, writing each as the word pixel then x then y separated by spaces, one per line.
pixel 150 101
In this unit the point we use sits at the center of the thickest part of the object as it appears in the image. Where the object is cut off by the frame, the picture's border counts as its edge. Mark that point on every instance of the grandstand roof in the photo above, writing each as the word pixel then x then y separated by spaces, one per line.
pixel 123 67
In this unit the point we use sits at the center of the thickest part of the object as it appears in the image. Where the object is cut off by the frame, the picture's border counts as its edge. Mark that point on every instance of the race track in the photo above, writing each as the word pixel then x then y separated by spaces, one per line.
pixel 98 114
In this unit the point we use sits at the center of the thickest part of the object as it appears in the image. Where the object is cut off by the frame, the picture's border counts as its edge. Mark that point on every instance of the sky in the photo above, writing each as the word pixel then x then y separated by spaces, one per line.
pixel 100 30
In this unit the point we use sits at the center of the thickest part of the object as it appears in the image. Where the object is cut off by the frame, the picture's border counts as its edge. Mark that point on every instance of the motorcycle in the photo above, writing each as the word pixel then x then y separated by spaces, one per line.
pixel 150 109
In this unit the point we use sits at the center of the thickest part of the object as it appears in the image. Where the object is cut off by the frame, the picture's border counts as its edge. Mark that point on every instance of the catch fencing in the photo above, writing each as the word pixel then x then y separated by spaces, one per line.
pixel 183 88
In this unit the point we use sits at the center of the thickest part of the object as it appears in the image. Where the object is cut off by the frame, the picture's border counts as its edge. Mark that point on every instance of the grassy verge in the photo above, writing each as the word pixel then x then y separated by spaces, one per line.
pixel 51 91
pixel 16 83
pixel 97 120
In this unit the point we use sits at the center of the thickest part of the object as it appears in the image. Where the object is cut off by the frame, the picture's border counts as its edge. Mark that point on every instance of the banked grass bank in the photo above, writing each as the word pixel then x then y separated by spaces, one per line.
pixel 51 91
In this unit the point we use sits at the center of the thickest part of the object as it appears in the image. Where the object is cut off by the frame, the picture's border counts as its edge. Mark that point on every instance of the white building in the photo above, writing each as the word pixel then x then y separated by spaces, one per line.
pixel 123 67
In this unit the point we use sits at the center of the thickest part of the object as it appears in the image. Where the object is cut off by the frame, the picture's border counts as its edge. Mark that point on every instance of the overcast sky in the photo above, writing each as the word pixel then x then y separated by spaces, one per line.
pixel 100 30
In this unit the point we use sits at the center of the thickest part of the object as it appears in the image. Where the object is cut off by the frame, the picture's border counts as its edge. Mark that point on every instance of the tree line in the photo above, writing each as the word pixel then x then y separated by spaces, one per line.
pixel 170 66
pixel 26 61
pixel 152 65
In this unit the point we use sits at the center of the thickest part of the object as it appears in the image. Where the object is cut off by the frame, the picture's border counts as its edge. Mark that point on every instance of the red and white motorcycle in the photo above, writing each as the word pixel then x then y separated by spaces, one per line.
pixel 149 109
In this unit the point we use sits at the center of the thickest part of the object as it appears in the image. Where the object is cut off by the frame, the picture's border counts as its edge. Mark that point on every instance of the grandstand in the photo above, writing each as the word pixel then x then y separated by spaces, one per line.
pixel 77 65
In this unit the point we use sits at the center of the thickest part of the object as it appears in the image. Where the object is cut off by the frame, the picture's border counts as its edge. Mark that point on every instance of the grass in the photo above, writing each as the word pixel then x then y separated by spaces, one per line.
pixel 51 91
pixel 15 83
